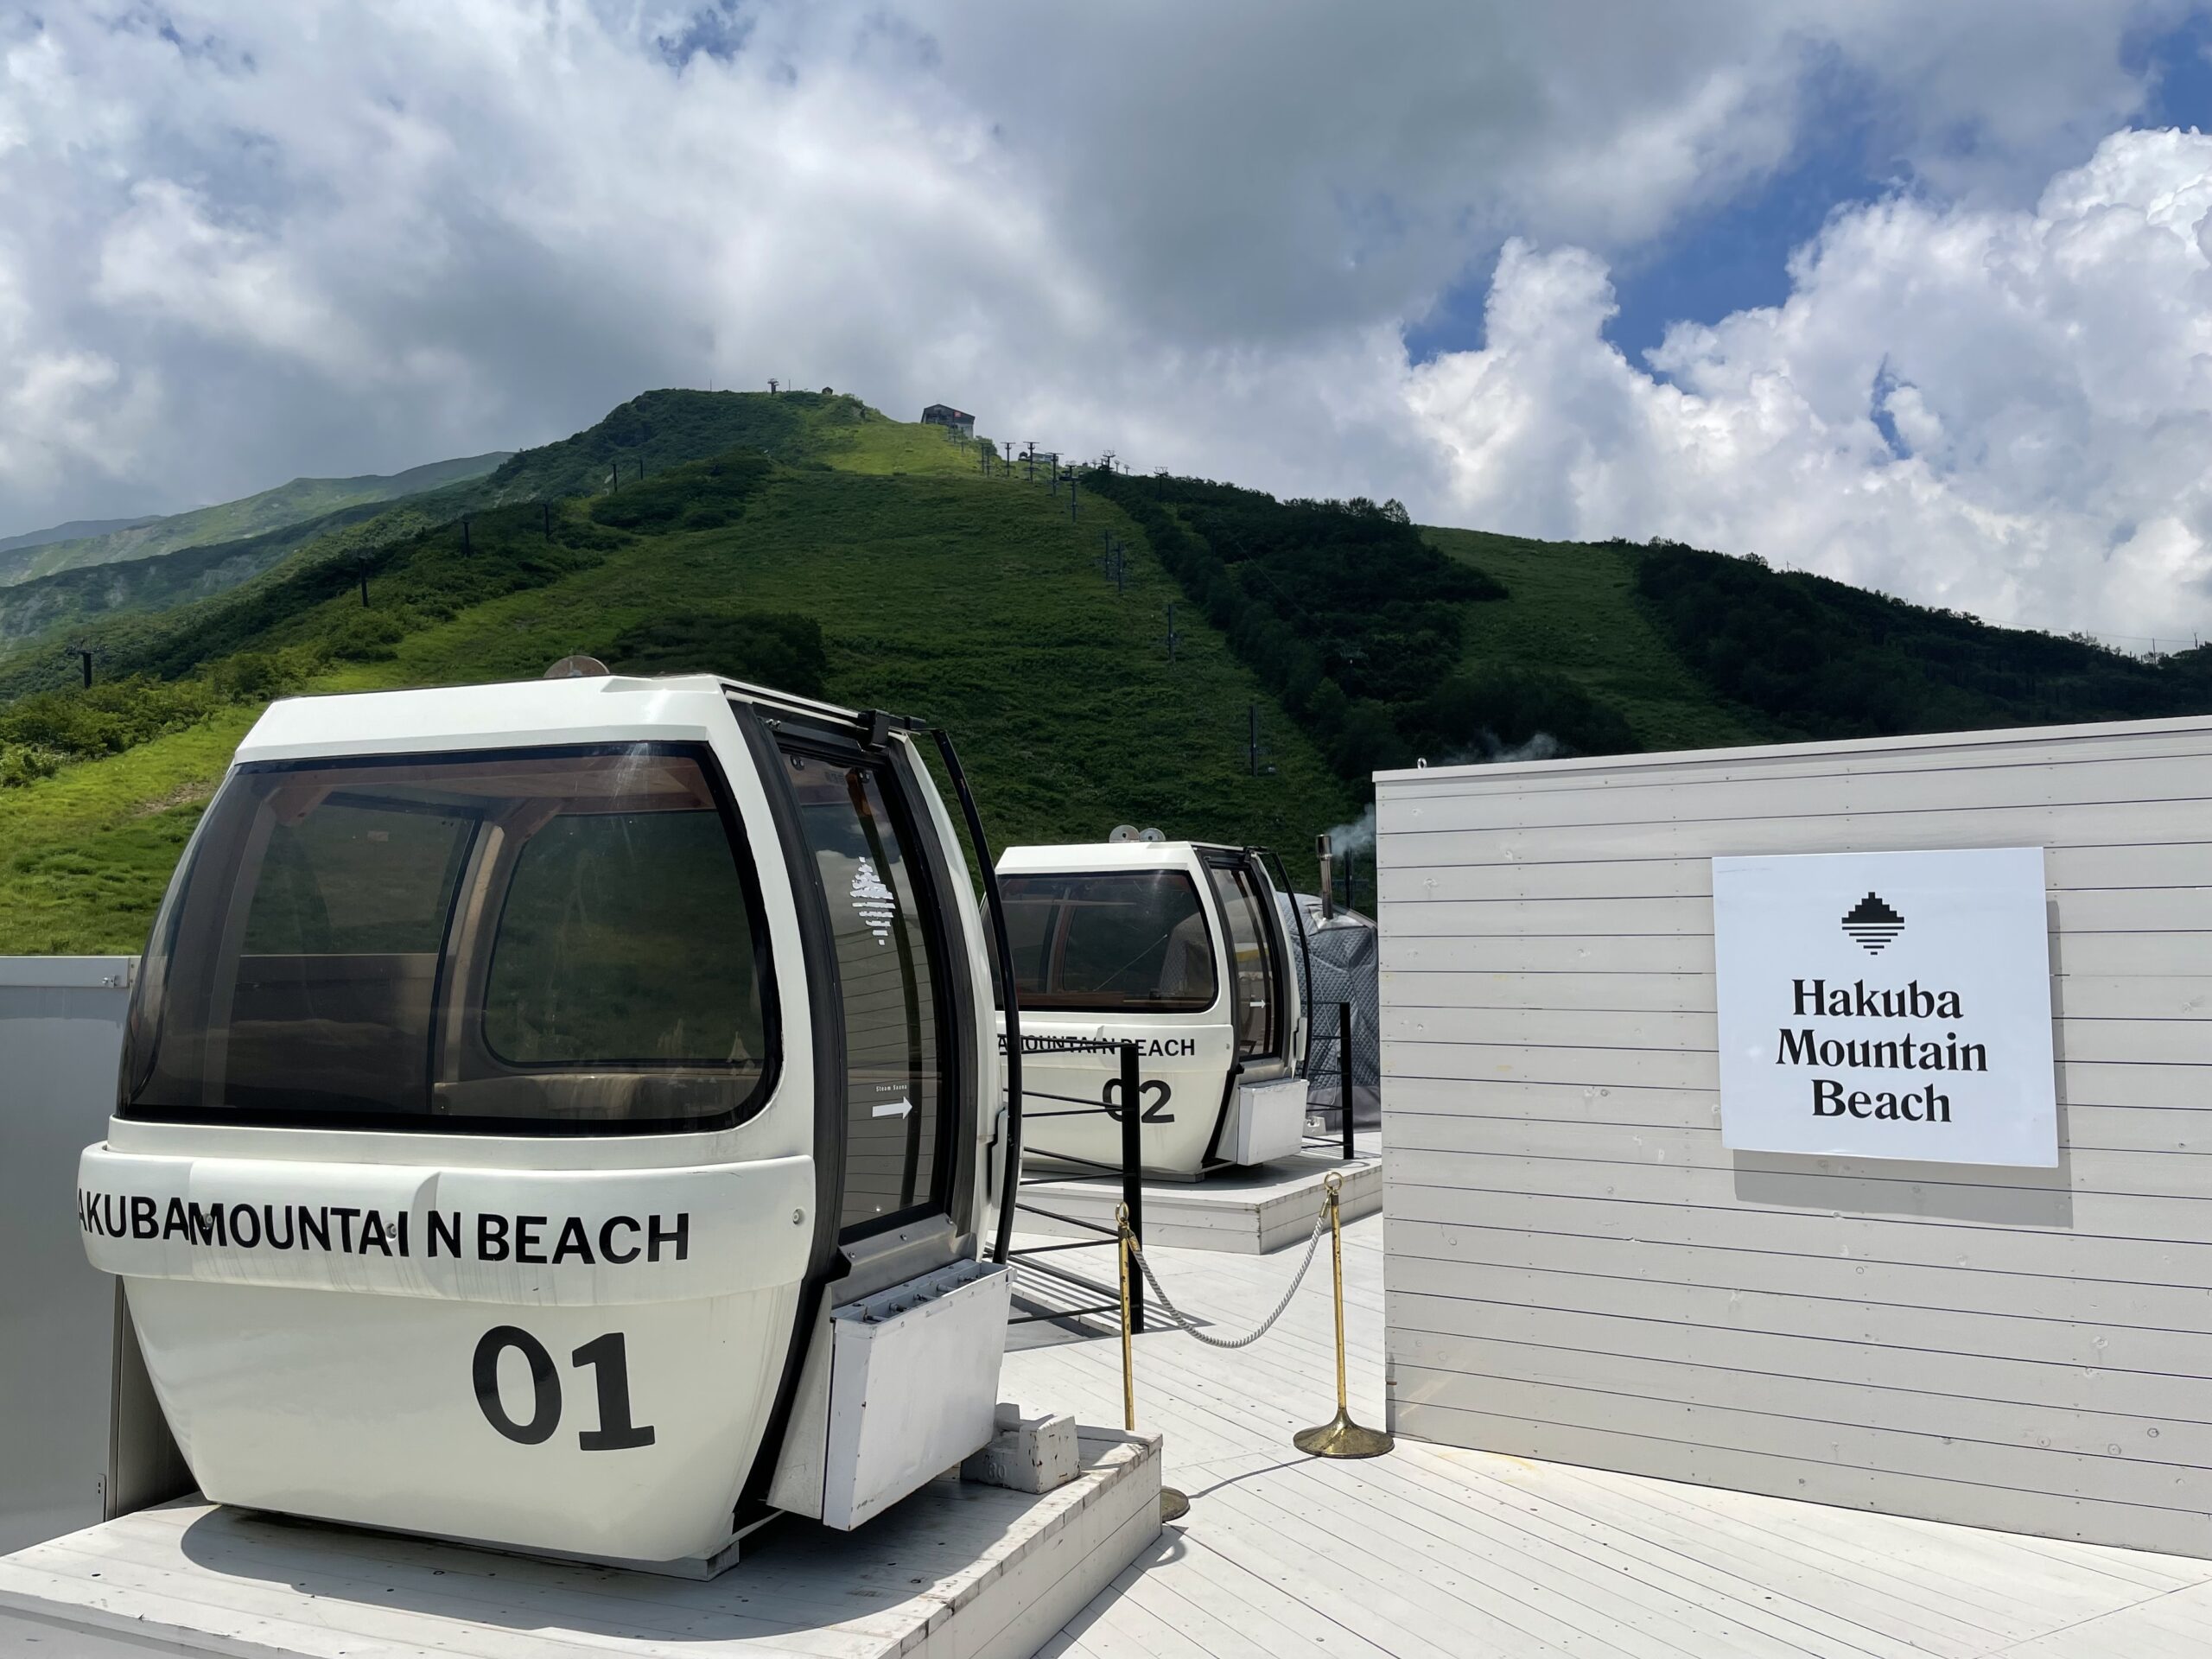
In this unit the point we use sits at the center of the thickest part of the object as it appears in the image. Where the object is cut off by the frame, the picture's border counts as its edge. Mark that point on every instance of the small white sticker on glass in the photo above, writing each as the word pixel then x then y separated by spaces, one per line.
pixel 873 901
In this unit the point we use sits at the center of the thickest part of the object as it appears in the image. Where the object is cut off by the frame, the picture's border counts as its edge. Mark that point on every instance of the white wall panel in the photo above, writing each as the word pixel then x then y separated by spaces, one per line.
pixel 1578 1270
pixel 60 1046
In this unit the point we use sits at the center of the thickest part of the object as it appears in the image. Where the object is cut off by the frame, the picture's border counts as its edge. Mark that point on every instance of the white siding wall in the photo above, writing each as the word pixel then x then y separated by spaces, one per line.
pixel 60 1046
pixel 1578 1271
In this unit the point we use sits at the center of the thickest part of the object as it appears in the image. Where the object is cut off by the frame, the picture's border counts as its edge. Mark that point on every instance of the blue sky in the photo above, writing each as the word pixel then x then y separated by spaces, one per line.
pixel 1734 255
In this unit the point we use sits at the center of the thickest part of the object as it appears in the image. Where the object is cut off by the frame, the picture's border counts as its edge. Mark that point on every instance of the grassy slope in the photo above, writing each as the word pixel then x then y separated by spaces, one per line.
pixel 1572 609
pixel 129 612
pixel 230 521
pixel 971 602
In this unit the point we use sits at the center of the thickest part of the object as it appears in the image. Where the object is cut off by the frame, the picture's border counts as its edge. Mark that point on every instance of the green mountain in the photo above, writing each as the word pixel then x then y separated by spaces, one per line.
pixel 1598 648
pixel 1105 650
pixel 58 608
pixel 75 529
pixel 109 609
pixel 862 557
pixel 42 552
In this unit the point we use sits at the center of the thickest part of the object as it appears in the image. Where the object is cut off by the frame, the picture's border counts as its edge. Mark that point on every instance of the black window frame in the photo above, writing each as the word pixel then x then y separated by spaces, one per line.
pixel 1232 863
pixel 136 1066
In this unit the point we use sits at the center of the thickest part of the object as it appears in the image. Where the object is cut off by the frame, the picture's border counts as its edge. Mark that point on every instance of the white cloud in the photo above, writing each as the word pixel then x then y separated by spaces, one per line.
pixel 2047 374
pixel 247 239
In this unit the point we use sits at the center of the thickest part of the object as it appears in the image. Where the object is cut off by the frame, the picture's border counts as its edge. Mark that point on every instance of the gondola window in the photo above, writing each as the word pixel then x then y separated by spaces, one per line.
pixel 1251 960
pixel 537 940
pixel 1132 942
pixel 894 1080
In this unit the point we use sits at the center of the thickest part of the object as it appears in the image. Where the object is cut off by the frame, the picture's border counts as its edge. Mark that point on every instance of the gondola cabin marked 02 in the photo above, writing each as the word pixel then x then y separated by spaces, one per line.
pixel 1181 946
pixel 500 1124
pixel 1886 1005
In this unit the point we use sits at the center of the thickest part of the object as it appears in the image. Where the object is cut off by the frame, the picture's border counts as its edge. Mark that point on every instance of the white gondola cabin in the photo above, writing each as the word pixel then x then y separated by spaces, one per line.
pixel 1181 946
pixel 543 1105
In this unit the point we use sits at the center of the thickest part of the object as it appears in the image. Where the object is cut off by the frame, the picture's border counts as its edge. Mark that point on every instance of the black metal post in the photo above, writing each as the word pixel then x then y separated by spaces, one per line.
pixel 1132 1162
pixel 1345 1070
pixel 85 657
pixel 548 507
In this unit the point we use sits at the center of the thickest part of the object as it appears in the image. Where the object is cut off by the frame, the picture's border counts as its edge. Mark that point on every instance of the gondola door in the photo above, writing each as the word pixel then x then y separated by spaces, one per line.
pixel 892 982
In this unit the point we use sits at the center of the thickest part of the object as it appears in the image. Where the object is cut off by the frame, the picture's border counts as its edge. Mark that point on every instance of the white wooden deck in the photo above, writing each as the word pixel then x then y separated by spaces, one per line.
pixel 958 1571
pixel 1441 1554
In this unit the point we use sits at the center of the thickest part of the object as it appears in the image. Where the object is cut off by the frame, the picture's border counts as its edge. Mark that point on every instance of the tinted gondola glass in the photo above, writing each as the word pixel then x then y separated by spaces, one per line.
pixel 1251 957
pixel 889 977
pixel 1132 942
pixel 545 939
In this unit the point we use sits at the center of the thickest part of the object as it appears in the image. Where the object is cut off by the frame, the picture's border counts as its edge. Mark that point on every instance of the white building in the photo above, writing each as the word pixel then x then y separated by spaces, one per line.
pixel 1581 1268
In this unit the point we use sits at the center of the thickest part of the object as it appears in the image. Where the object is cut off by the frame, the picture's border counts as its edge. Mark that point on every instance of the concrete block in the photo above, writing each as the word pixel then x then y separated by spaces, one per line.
pixel 1033 1450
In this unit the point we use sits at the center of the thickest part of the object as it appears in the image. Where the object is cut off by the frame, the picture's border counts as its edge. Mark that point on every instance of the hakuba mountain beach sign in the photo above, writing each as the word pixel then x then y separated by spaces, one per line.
pixel 1886 1005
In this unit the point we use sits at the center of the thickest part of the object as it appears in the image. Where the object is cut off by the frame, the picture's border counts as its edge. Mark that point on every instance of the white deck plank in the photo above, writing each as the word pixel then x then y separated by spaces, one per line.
pixel 1436 1550
pixel 1522 1558
pixel 960 1572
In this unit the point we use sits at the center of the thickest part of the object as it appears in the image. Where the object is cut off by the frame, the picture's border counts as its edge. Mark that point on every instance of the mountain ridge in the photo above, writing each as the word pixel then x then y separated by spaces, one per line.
pixel 38 553
pixel 76 529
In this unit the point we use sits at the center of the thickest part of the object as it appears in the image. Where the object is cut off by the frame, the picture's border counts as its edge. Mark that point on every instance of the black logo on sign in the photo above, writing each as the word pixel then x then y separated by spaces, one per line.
pixel 1872 923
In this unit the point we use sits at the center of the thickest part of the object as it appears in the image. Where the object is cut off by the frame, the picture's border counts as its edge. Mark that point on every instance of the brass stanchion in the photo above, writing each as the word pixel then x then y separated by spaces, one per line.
pixel 1340 1436
pixel 1173 1505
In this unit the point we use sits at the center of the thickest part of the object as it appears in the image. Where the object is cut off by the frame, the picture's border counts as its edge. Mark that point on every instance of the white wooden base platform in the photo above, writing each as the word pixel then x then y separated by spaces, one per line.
pixel 1432 1553
pixel 1248 1212
pixel 958 1571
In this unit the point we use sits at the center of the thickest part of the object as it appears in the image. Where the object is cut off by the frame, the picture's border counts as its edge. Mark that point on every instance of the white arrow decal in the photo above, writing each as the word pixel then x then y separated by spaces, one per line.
pixel 902 1110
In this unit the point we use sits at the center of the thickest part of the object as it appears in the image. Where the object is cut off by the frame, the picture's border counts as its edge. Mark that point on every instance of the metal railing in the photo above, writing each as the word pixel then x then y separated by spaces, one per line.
pixel 1128 1172
pixel 1344 1036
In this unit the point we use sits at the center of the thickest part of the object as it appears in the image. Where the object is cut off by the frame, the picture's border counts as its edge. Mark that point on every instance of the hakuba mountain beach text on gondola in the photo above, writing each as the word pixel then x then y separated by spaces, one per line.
pixel 1943 1056
pixel 357 1230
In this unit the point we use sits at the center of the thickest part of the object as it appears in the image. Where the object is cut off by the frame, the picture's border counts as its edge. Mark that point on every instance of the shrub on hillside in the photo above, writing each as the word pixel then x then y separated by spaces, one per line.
pixel 24 763
pixel 701 495
pixel 257 676
pixel 367 636
pixel 780 649
pixel 106 719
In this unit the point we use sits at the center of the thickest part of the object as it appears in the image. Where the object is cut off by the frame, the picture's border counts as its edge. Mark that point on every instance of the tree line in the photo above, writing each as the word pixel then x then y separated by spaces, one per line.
pixel 1355 623
pixel 1820 658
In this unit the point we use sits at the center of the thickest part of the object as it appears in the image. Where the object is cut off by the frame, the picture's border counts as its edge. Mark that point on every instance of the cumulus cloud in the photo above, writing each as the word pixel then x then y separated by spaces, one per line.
pixel 246 240
pixel 2001 411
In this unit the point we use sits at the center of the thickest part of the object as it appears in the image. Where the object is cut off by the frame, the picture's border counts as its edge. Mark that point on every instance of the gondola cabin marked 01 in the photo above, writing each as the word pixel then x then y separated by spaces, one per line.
pixel 1181 947
pixel 1886 1005
pixel 500 1121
